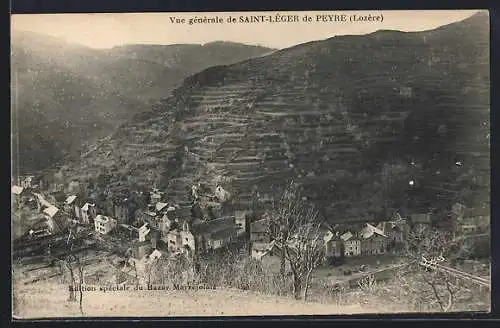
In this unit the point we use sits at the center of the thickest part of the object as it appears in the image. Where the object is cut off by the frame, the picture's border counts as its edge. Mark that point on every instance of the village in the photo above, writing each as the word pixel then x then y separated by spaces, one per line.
pixel 171 230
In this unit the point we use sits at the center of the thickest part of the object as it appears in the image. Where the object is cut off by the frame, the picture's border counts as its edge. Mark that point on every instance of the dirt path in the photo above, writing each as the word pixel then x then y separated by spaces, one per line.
pixel 45 300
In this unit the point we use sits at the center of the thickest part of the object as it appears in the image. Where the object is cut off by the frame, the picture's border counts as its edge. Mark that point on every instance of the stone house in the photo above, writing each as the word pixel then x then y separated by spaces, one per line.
pixel 215 234
pixel 173 217
pixel 352 244
pixel 156 215
pixel 137 230
pixel 202 236
pixel 259 231
pixel 269 257
pixel 241 220
pixel 53 216
pixel 373 240
pixel 180 239
pixel 122 212
pixel 396 230
pixel 19 195
pixel 88 213
pixel 333 245
pixel 260 249
pixel 143 231
pixel 71 206
pixel 104 224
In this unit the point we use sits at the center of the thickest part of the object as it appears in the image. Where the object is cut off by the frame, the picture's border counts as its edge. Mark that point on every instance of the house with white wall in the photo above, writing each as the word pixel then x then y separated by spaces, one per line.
pixel 104 224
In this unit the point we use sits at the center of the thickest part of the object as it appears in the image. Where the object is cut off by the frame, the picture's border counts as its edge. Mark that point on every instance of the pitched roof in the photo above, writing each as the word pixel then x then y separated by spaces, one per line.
pixel 259 226
pixel 160 206
pixel 16 190
pixel 329 236
pixel 348 235
pixel 70 199
pixel 103 218
pixel 51 211
pixel 368 231
pixel 213 226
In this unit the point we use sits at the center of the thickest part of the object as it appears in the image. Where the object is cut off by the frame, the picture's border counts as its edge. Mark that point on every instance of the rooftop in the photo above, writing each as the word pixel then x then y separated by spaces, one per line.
pixel 330 236
pixel 348 235
pixel 160 206
pixel 259 226
pixel 213 226
pixel 16 190
pixel 103 218
pixel 51 211
pixel 70 199
pixel 368 231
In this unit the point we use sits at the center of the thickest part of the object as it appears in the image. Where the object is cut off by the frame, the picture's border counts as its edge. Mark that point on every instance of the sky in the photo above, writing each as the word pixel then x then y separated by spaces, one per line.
pixel 107 30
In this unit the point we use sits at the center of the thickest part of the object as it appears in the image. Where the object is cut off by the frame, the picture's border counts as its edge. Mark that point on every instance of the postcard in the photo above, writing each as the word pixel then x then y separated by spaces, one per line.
pixel 250 163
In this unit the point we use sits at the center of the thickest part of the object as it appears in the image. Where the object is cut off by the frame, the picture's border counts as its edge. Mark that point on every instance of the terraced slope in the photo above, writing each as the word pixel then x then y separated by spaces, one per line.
pixel 353 118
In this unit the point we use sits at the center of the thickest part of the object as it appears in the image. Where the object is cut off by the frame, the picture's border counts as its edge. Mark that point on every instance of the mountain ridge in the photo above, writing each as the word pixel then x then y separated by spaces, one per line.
pixel 82 93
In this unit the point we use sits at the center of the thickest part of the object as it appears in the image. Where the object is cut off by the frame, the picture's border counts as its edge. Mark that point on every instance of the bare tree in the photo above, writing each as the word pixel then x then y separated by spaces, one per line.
pixel 284 218
pixel 426 245
pixel 428 242
pixel 442 289
pixel 75 268
pixel 304 252
pixel 295 228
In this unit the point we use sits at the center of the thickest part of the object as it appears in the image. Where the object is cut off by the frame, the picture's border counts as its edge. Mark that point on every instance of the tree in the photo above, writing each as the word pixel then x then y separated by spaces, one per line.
pixel 295 228
pixel 430 246
pixel 304 252
pixel 75 267
pixel 284 218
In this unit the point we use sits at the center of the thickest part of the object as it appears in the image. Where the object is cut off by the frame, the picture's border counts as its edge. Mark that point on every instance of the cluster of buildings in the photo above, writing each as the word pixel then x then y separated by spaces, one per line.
pixel 190 229
pixel 161 226
pixel 366 239
pixel 343 241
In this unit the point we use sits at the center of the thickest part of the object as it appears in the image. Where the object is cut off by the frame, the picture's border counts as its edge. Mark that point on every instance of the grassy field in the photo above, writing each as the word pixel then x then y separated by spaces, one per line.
pixel 50 299
pixel 407 293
